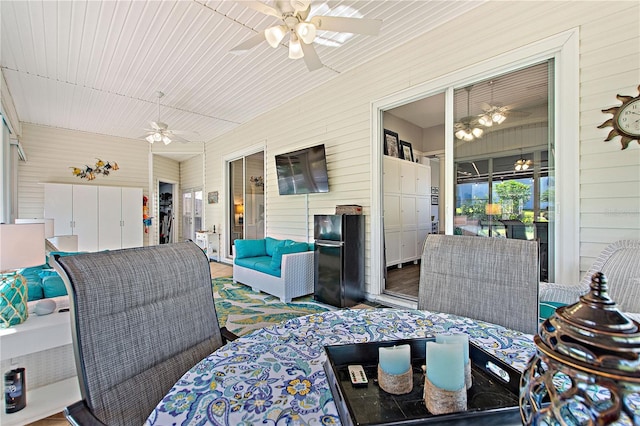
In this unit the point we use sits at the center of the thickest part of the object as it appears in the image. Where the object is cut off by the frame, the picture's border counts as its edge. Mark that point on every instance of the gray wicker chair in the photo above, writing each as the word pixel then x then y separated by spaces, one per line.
pixel 489 279
pixel 141 318
pixel 620 263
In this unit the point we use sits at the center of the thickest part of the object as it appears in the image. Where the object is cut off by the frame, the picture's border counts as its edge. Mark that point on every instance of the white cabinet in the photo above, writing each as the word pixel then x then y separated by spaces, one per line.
pixel 103 218
pixel 407 209
pixel 74 210
pixel 209 242
pixel 120 213
pixel 58 205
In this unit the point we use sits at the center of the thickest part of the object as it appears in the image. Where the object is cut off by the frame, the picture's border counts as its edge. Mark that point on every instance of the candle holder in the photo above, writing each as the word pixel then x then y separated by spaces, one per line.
pixel 587 365
pixel 442 401
pixel 395 384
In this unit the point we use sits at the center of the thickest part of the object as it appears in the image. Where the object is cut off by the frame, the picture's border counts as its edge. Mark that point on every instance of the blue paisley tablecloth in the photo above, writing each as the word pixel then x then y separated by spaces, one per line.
pixel 274 376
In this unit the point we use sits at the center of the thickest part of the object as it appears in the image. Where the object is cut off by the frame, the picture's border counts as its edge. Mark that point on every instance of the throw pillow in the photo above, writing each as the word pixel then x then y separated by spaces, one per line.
pixel 250 248
pixel 34 282
pixel 271 243
pixel 53 286
pixel 276 259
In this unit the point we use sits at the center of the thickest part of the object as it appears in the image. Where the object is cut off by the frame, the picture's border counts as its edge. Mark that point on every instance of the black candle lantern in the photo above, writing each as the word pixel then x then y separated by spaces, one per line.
pixel 586 370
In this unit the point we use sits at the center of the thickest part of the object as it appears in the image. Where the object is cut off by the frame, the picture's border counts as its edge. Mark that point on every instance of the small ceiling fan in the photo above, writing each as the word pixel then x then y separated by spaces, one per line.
pixel 160 131
pixel 496 113
pixel 294 14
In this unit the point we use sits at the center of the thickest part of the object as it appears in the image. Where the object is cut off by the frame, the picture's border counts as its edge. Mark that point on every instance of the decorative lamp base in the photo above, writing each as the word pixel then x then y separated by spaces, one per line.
pixel 13 300
pixel 395 384
pixel 441 401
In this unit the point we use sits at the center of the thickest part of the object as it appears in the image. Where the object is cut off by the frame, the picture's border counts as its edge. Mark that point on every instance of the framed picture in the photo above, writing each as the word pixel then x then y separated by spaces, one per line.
pixel 407 150
pixel 212 197
pixel 434 200
pixel 434 190
pixel 392 144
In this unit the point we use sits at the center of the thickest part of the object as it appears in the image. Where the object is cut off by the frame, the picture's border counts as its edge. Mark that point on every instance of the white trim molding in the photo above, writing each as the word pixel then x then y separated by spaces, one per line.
pixel 563 48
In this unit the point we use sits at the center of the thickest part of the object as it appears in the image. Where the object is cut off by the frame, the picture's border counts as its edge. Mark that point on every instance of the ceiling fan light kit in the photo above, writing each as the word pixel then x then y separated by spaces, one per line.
pixel 294 14
pixel 522 165
pixel 295 49
pixel 274 35
pixel 160 131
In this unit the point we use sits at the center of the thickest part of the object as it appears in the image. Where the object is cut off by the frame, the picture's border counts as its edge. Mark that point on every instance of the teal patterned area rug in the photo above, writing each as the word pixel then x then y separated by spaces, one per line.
pixel 242 310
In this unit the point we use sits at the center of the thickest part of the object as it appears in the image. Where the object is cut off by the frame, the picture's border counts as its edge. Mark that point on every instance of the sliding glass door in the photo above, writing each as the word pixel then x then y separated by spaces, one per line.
pixel 503 159
pixel 246 198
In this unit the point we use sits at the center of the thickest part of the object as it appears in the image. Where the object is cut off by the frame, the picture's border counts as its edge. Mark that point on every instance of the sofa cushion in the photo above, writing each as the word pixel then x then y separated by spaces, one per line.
pixel 250 248
pixel 549 308
pixel 276 261
pixel 260 263
pixel 53 286
pixel 271 244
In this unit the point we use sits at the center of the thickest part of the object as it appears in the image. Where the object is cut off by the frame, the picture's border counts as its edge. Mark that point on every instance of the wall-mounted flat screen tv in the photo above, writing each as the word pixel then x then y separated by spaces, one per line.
pixel 303 171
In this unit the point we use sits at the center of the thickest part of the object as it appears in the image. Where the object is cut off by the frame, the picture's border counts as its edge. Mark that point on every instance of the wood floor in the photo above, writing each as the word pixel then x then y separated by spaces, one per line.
pixel 403 282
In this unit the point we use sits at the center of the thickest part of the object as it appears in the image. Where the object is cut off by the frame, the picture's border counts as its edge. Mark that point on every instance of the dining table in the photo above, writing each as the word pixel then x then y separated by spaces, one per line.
pixel 275 375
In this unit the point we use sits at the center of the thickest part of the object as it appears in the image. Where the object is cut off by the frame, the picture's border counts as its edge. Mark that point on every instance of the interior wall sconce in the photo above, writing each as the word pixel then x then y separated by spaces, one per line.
pixel 90 172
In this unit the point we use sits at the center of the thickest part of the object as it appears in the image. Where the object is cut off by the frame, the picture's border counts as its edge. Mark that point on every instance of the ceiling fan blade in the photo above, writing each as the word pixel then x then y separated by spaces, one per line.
pixel 176 138
pixel 154 126
pixel 185 133
pixel 311 58
pixel 262 8
pixel 347 25
pixel 248 44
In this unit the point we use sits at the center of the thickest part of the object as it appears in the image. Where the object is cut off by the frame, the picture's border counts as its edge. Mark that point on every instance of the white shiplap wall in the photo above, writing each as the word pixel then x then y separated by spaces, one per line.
pixel 51 153
pixel 338 114
pixel 165 170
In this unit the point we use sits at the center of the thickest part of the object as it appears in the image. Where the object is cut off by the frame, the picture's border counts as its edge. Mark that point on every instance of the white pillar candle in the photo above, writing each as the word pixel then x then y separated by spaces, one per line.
pixel 445 365
pixel 456 338
pixel 395 359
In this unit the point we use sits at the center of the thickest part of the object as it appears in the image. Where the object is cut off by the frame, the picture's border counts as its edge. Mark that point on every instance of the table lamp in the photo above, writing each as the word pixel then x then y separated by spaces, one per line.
pixel 492 209
pixel 21 246
pixel 586 370
pixel 239 209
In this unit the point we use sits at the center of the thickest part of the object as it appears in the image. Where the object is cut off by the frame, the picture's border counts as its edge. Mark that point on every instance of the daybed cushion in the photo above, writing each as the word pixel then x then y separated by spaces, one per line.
pixel 293 247
pixel 250 248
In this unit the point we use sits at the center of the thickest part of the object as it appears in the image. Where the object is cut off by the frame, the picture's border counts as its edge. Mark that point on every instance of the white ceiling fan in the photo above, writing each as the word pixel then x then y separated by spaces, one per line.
pixel 160 131
pixel 294 14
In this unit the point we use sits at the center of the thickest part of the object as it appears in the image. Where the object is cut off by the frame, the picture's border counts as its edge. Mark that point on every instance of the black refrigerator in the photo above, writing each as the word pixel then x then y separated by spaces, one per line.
pixel 339 259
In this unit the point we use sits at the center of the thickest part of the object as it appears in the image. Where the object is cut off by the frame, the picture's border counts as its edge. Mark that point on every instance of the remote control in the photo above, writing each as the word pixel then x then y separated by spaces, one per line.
pixel 357 376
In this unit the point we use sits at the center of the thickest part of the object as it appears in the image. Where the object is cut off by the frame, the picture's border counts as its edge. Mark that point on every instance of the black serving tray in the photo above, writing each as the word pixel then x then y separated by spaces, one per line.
pixel 492 400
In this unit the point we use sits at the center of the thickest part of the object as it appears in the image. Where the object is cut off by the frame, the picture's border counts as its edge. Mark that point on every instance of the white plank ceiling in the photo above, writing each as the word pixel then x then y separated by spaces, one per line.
pixel 95 65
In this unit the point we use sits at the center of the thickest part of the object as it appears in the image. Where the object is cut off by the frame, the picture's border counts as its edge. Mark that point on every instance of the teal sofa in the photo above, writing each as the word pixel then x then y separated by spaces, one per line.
pixel 282 268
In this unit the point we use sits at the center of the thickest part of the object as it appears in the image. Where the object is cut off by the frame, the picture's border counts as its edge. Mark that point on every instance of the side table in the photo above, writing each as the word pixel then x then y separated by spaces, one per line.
pixel 25 342
pixel 209 242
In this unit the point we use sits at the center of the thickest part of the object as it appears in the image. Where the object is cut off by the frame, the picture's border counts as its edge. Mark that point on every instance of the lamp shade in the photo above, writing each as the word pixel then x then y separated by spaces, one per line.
pixel 493 209
pixel 239 208
pixel 48 225
pixel 21 246
pixel 295 49
pixel 274 35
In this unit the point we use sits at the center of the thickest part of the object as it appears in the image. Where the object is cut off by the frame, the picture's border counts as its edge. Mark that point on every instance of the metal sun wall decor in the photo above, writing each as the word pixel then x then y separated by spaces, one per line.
pixel 90 173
